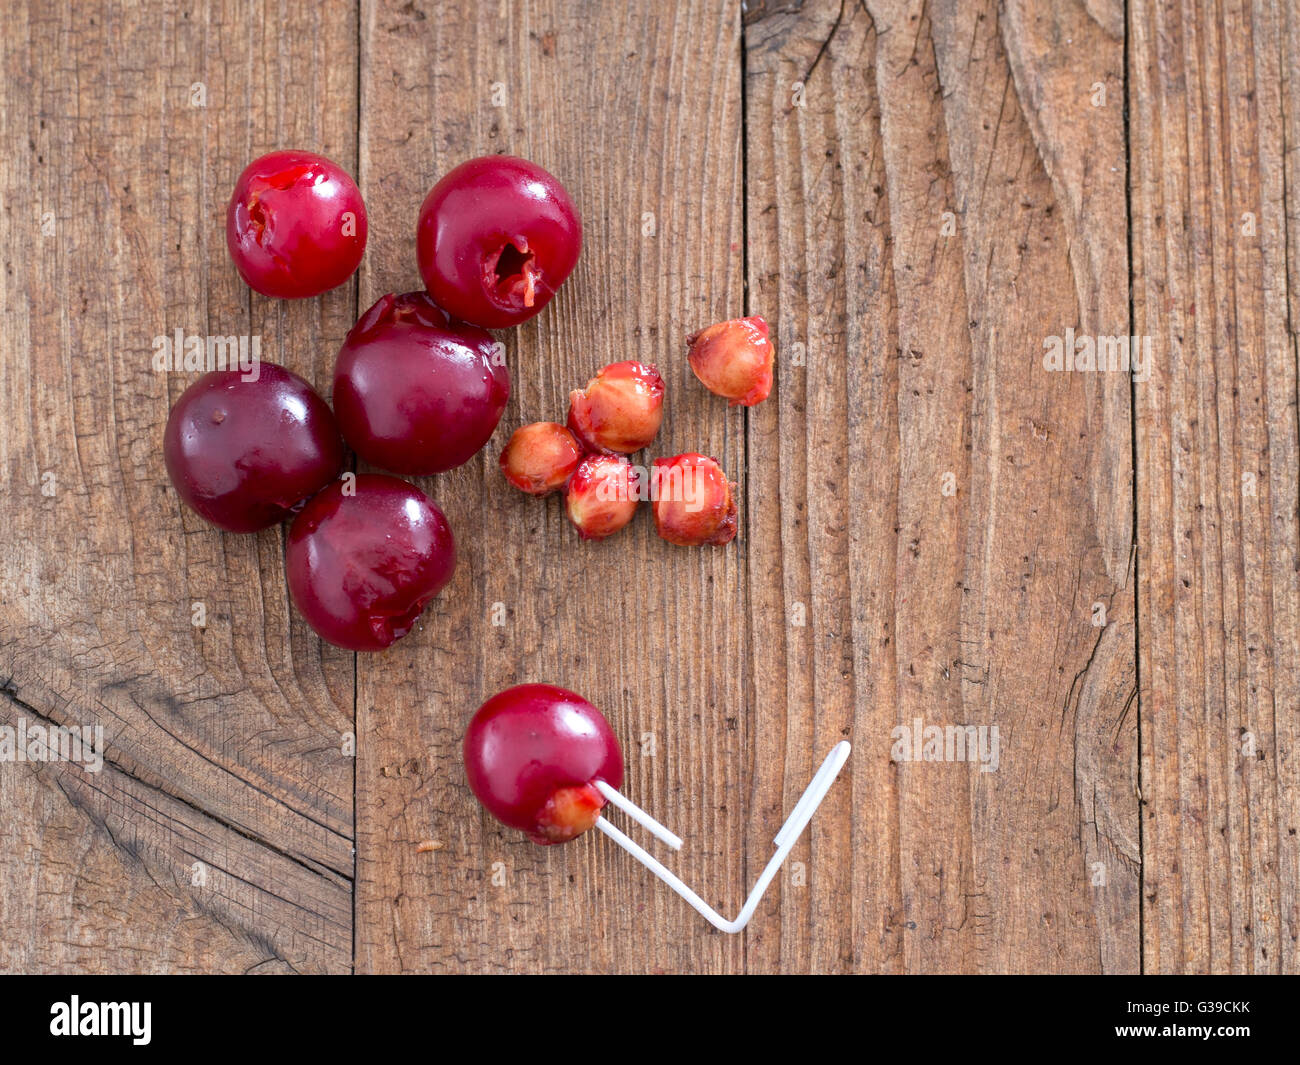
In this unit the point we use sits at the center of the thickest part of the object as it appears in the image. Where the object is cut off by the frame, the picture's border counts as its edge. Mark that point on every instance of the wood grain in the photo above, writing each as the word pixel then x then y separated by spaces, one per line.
pixel 224 741
pixel 1214 102
pixel 924 362
pixel 654 635
pixel 917 194
pixel 823 456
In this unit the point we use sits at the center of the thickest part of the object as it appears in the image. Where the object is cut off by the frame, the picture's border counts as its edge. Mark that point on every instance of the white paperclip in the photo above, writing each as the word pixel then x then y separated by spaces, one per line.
pixel 639 815
pixel 785 840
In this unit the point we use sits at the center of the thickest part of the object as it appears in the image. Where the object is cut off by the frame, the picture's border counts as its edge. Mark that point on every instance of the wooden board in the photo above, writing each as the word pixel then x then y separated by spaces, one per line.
pixel 929 465
pixel 655 636
pixel 1214 257
pixel 934 525
pixel 224 741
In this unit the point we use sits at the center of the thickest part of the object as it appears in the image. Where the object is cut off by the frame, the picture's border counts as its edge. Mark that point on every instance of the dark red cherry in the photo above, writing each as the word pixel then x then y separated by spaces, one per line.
pixel 365 558
pixel 496 239
pixel 244 453
pixel 414 392
pixel 296 225
pixel 532 755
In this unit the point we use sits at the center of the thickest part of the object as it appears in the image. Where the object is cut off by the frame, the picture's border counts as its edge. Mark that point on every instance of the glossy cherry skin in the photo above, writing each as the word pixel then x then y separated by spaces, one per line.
pixel 497 237
pixel 363 566
pixel 296 225
pixel 243 453
pixel 532 754
pixel 414 392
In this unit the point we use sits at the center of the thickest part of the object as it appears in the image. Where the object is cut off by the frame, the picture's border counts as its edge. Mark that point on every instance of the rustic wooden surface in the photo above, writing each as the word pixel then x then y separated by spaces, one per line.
pixel 916 194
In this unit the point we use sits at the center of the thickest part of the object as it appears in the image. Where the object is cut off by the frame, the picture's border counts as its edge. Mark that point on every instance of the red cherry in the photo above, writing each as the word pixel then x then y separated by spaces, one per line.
pixel 532 756
pixel 496 239
pixel 296 225
pixel 414 392
pixel 244 453
pixel 363 565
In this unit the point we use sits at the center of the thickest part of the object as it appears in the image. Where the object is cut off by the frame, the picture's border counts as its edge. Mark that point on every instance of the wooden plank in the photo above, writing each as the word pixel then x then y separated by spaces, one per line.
pixel 1056 831
pixel 823 460
pixel 109 872
pixel 1061 56
pixel 1214 103
pixel 637 110
pixel 972 608
pixel 224 741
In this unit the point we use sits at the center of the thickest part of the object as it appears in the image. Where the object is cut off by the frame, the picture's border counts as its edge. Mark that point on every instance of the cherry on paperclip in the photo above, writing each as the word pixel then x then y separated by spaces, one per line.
pixel 544 760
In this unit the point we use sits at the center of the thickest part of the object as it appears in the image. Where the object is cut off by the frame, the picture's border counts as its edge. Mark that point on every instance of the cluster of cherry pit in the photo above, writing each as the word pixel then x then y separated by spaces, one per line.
pixel 419 388
pixel 618 414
